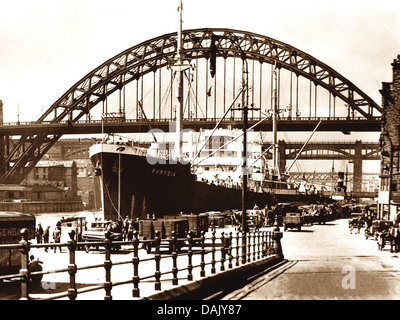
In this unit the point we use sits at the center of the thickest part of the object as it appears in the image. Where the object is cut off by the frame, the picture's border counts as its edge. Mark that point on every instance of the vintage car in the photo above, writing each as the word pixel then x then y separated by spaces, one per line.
pixel 306 214
pixel 77 224
pixel 96 232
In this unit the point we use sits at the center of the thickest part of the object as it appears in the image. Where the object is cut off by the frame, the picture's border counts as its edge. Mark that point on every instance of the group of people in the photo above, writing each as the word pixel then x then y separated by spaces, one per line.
pixel 43 235
pixel 128 227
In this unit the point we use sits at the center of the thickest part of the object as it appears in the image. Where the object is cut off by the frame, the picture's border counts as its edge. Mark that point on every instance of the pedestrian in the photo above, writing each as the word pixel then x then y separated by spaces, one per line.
pixel 136 224
pixel 397 219
pixel 125 227
pixel 39 233
pixel 131 228
pixel 57 237
pixel 46 236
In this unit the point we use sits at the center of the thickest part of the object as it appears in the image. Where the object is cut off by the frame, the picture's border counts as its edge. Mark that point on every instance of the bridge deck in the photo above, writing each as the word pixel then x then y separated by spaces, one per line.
pixel 342 124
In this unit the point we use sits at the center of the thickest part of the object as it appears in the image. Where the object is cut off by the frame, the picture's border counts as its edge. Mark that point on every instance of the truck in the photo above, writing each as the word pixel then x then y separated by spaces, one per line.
pixel 11 224
pixel 292 220
pixel 148 229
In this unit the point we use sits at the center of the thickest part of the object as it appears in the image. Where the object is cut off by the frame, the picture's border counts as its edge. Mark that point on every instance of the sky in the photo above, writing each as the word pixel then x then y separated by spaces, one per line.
pixel 46 46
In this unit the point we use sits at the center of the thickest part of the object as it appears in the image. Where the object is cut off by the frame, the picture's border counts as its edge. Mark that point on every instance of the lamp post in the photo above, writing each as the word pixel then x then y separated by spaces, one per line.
pixel 244 171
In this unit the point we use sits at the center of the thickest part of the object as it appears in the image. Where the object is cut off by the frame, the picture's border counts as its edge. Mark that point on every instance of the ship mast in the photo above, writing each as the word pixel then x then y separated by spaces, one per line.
pixel 179 93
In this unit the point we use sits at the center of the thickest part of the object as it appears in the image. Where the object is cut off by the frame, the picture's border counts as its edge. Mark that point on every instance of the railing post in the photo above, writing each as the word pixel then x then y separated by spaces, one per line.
pixel 157 258
pixel 230 251
pixel 244 247
pixel 203 251
pixel 72 293
pixel 135 261
pixel 258 245
pixel 276 237
pixel 254 245
pixel 107 266
pixel 268 242
pixel 222 268
pixel 213 253
pixel 174 259
pixel 248 246
pixel 265 244
pixel 190 255
pixel 237 248
pixel 24 271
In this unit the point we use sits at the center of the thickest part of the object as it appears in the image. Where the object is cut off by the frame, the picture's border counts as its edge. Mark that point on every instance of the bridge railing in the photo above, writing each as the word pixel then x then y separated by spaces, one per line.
pixel 223 252
pixel 193 119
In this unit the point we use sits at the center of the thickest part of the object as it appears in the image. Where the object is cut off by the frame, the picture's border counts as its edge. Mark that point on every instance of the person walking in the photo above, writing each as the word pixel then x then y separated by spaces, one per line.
pixel 39 233
pixel 131 228
pixel 57 237
pixel 46 236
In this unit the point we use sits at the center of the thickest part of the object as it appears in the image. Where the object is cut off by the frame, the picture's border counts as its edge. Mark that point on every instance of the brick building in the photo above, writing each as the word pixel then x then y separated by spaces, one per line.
pixel 389 189
pixel 52 180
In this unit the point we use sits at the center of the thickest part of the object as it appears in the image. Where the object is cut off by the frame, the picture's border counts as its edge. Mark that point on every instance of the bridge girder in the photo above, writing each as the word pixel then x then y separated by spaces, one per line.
pixel 159 52
pixel 337 151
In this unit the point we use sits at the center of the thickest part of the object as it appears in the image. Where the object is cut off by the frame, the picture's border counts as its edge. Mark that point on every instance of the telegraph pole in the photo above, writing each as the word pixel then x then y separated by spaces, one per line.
pixel 179 91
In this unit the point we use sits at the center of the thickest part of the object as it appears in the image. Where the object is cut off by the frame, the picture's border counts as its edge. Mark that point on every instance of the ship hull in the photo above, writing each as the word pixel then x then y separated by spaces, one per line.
pixel 137 186
pixel 301 198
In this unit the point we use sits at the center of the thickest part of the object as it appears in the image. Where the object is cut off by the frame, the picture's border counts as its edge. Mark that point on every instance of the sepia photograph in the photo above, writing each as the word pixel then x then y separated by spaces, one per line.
pixel 201 158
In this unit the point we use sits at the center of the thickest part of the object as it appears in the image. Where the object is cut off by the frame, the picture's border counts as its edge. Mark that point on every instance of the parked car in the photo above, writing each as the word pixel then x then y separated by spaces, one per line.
pixel 96 232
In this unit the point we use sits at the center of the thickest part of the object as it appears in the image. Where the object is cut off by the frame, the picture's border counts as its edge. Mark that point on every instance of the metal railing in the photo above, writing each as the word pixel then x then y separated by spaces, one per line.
pixel 228 251
pixel 193 119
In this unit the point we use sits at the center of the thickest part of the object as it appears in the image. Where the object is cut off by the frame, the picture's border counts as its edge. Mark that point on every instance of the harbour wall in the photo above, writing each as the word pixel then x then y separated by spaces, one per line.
pixel 42 206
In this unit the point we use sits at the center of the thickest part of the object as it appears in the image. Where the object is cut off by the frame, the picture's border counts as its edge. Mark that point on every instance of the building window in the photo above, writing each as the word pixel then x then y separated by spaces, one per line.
pixel 36 174
pixel 384 184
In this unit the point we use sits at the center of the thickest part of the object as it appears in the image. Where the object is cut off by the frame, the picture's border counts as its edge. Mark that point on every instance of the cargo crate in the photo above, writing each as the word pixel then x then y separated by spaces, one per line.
pixel 196 222
pixel 147 228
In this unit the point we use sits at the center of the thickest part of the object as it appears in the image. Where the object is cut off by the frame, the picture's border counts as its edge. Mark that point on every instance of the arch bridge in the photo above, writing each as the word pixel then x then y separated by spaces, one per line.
pixel 355 153
pixel 134 89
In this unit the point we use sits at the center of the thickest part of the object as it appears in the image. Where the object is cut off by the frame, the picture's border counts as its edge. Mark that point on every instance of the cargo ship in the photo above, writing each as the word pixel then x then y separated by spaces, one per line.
pixel 137 184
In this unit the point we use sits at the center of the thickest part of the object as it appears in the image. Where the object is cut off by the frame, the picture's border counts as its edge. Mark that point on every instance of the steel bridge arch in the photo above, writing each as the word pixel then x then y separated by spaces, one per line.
pixel 374 153
pixel 160 52
pixel 337 151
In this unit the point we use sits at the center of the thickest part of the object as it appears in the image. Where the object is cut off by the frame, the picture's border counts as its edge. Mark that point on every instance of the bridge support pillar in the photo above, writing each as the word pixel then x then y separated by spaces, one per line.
pixel 281 156
pixel 357 168
pixel 2 137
